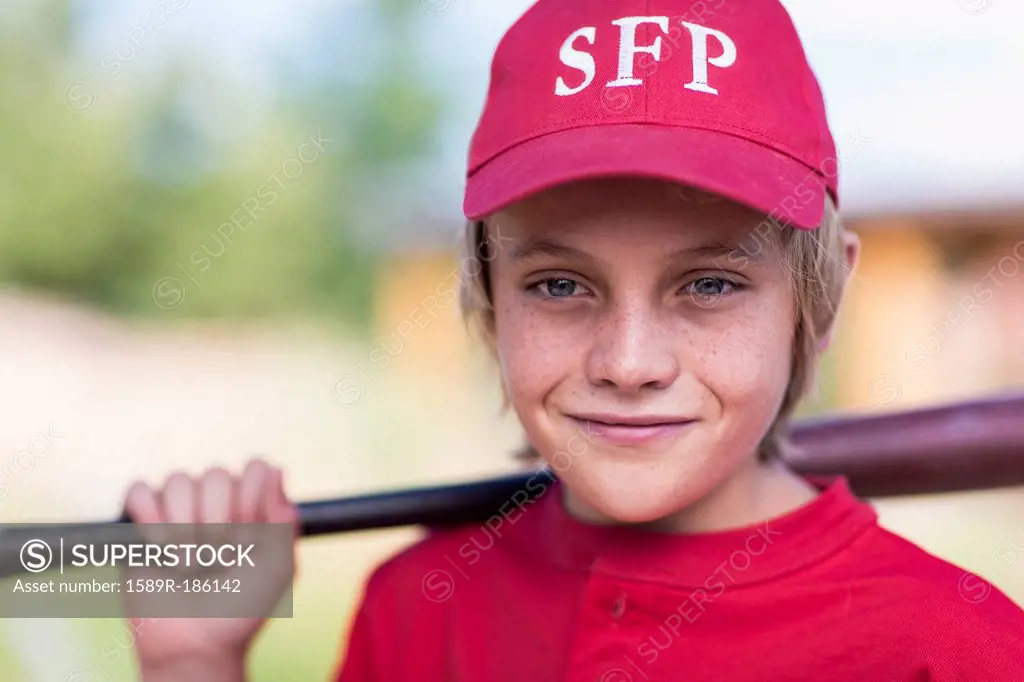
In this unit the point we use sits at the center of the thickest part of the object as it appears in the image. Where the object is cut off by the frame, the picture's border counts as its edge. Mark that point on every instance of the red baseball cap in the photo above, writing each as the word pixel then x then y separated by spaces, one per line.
pixel 714 94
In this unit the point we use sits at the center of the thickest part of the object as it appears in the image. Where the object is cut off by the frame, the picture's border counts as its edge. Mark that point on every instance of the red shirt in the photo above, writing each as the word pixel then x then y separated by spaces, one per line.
pixel 822 593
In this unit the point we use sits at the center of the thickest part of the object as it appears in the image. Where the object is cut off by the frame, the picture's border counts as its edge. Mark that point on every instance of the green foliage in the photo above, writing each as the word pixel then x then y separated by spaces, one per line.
pixel 125 201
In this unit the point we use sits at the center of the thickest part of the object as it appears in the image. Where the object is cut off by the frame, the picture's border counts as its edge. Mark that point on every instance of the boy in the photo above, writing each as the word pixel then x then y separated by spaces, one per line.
pixel 656 280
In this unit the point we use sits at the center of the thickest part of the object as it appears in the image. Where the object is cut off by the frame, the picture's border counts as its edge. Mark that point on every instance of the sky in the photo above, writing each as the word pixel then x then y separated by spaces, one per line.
pixel 924 96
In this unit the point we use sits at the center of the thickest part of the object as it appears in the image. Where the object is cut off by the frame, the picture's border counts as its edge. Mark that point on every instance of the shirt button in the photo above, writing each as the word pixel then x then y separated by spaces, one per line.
pixel 619 607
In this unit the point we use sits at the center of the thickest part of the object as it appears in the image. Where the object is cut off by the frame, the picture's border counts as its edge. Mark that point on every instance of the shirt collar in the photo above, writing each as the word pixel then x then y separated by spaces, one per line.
pixel 755 553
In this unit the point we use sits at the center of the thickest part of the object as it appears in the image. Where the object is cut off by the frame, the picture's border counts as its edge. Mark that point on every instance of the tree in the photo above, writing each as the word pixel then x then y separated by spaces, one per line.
pixel 129 202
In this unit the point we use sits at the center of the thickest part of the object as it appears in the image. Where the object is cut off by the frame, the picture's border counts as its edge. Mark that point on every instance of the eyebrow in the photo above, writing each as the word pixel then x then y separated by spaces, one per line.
pixel 536 248
pixel 726 249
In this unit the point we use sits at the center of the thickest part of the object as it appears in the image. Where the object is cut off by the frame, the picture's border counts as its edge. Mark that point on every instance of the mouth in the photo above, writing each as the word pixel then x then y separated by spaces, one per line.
pixel 631 430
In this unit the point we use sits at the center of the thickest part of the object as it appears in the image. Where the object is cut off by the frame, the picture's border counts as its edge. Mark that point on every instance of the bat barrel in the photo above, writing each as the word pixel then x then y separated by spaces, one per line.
pixel 967 446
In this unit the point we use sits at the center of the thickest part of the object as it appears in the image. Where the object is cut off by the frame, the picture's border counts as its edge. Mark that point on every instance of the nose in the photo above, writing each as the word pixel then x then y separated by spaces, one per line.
pixel 633 349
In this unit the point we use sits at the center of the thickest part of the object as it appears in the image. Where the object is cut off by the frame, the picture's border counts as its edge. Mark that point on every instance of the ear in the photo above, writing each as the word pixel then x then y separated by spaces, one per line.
pixel 851 253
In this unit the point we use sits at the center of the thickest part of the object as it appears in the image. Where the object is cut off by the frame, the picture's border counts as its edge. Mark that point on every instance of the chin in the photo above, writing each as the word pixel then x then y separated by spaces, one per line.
pixel 638 510
pixel 635 493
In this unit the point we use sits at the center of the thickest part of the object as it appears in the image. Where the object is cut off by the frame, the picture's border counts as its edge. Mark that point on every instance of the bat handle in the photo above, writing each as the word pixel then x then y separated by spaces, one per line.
pixel 441 506
pixel 426 506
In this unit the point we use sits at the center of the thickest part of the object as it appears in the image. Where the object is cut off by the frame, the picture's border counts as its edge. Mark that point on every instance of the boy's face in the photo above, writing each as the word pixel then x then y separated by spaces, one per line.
pixel 644 360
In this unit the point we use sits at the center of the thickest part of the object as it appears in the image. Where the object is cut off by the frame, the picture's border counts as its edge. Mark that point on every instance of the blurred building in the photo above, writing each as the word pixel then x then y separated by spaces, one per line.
pixel 937 311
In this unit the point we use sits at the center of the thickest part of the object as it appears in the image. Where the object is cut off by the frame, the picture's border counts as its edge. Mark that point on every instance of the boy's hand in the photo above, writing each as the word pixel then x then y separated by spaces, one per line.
pixel 209 647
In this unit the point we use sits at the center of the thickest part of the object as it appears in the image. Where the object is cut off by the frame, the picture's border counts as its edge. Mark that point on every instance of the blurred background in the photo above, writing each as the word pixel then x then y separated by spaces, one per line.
pixel 225 229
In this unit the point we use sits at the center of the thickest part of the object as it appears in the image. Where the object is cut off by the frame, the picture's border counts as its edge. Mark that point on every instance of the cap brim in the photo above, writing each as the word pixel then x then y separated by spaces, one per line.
pixel 735 168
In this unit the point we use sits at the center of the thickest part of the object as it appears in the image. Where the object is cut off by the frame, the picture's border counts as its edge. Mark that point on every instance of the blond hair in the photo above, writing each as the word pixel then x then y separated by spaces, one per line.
pixel 817 263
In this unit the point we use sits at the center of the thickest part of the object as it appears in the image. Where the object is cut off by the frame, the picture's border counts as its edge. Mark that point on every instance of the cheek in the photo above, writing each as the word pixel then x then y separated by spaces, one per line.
pixel 533 355
pixel 749 366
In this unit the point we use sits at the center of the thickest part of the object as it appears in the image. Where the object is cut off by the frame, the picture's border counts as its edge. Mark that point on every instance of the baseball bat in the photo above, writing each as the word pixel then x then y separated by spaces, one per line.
pixel 976 445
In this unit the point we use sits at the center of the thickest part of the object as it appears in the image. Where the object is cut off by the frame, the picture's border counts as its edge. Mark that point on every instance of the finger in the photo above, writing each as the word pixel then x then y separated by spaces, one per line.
pixel 142 504
pixel 215 493
pixel 251 490
pixel 179 499
pixel 144 508
pixel 277 508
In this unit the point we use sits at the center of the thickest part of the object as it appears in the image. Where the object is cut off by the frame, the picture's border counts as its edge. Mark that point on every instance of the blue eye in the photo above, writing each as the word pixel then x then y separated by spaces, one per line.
pixel 560 287
pixel 711 287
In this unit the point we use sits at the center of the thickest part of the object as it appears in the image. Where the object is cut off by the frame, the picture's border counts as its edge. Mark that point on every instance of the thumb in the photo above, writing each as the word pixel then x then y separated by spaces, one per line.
pixel 281 510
